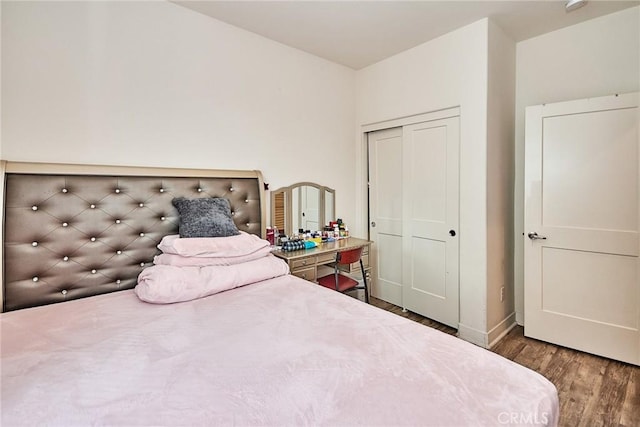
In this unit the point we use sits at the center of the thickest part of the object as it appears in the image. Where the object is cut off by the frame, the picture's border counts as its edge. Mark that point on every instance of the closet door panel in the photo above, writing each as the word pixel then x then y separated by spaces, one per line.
pixel 430 179
pixel 385 212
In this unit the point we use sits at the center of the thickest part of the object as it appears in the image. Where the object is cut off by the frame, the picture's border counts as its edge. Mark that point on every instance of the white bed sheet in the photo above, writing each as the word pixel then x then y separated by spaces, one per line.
pixel 278 352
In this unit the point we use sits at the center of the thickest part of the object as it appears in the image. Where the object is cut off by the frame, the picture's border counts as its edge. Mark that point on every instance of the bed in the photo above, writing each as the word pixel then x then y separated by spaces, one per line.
pixel 80 347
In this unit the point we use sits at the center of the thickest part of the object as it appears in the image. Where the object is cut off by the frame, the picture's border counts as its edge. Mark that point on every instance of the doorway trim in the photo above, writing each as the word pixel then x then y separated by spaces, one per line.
pixel 445 113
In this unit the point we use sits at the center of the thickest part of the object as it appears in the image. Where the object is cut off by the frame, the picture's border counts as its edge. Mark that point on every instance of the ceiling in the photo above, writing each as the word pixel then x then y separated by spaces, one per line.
pixel 360 33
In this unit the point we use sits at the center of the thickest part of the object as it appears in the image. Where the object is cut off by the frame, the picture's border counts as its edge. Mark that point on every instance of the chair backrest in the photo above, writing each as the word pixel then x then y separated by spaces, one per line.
pixel 349 256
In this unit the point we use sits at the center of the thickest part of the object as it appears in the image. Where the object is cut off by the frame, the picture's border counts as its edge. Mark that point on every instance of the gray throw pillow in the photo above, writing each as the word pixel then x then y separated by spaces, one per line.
pixel 205 217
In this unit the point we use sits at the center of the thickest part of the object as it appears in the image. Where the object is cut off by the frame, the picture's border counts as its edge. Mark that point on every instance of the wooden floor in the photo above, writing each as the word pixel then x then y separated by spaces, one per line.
pixel 593 391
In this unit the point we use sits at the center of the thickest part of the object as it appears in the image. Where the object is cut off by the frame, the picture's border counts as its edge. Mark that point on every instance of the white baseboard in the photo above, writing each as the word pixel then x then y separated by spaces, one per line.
pixel 474 336
pixel 487 339
pixel 501 329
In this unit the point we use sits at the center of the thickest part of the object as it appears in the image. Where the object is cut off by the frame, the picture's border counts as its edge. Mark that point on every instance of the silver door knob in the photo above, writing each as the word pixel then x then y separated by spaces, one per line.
pixel 373 223
pixel 535 236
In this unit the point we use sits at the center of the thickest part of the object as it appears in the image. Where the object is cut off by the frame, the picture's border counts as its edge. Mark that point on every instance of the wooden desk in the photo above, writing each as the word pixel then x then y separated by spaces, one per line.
pixel 305 263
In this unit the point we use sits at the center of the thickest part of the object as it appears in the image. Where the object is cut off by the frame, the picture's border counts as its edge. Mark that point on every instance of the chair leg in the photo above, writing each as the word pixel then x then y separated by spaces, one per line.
pixel 364 279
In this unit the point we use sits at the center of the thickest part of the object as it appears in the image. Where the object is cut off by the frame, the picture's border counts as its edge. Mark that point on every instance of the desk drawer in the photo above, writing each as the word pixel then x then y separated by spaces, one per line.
pixel 306 273
pixel 324 258
pixel 303 262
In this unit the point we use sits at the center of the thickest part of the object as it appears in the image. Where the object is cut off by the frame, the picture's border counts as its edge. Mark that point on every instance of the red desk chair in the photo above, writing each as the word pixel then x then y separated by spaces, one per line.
pixel 342 283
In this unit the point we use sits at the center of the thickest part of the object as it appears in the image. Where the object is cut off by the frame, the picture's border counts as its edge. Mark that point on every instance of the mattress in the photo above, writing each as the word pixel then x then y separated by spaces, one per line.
pixel 278 352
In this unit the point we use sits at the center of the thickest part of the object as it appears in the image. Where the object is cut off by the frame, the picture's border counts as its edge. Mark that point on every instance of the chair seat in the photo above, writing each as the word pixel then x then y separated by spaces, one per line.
pixel 344 283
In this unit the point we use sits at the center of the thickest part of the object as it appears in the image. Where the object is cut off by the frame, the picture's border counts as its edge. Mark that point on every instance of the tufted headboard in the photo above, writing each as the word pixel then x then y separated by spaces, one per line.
pixel 72 231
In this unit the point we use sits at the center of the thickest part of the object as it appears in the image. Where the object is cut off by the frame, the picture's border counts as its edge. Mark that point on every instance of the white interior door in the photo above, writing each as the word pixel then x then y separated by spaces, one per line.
pixel 581 214
pixel 430 171
pixel 385 213
pixel 310 208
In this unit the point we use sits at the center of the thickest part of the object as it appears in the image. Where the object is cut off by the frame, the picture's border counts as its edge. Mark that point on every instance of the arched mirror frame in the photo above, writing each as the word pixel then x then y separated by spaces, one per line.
pixel 282 210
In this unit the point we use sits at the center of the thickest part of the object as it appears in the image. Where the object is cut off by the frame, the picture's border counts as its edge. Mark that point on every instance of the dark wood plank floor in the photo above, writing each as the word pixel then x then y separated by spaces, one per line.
pixel 593 391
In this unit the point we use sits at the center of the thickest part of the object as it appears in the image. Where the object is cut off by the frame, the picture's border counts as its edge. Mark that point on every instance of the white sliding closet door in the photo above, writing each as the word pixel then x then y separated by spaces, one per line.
pixel 430 173
pixel 414 192
pixel 385 210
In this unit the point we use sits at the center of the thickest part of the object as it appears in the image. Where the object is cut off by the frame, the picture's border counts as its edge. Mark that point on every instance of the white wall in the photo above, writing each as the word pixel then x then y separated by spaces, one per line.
pixel 446 72
pixel 0 80
pixel 155 84
pixel 500 174
pixel 595 58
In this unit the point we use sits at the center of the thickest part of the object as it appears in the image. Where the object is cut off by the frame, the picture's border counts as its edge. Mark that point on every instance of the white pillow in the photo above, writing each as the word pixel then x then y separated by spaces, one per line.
pixel 212 247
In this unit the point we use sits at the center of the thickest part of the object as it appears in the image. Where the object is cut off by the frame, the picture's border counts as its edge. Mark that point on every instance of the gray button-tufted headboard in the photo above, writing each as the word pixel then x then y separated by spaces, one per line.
pixel 72 231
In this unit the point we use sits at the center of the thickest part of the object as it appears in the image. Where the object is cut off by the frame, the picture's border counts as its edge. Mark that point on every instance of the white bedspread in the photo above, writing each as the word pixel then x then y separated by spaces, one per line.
pixel 278 352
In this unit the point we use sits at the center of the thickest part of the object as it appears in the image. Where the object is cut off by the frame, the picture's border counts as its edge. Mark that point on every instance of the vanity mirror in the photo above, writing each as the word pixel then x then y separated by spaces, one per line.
pixel 303 205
